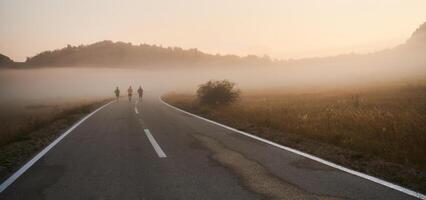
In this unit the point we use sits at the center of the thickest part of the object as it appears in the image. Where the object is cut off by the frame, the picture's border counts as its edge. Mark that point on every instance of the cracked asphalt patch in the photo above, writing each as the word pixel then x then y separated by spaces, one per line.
pixel 254 175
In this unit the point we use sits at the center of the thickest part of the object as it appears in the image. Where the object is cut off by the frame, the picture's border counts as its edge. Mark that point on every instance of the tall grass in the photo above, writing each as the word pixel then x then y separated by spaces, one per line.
pixel 19 119
pixel 389 124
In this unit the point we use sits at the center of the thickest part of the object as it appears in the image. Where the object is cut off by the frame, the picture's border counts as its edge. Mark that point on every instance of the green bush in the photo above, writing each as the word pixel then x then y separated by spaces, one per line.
pixel 217 93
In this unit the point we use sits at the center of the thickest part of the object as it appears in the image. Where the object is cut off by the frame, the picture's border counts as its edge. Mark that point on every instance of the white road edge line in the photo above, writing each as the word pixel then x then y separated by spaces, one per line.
pixel 37 157
pixel 136 110
pixel 154 144
pixel 312 157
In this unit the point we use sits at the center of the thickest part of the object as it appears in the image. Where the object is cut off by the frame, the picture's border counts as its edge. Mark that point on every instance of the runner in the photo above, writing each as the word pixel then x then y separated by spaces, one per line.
pixel 117 93
pixel 130 92
pixel 140 92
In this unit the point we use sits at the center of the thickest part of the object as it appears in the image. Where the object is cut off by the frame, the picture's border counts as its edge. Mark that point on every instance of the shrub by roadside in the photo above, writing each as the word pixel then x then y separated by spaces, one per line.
pixel 217 93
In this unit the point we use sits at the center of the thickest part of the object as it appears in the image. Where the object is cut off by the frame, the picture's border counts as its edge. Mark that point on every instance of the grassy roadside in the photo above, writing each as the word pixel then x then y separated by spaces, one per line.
pixel 26 129
pixel 380 132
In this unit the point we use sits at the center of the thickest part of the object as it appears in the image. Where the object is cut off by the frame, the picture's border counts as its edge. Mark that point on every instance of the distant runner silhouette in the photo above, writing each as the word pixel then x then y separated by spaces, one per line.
pixel 117 93
pixel 140 92
pixel 130 92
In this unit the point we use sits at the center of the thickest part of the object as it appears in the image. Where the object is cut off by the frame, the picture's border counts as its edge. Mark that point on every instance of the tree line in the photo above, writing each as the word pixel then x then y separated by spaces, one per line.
pixel 106 53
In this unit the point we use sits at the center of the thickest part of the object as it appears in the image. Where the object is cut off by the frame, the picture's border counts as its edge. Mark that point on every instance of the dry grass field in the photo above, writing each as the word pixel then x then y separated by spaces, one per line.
pixel 28 126
pixel 380 131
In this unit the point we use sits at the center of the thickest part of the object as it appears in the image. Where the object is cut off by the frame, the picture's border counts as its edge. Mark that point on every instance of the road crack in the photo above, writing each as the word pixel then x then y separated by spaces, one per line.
pixel 254 175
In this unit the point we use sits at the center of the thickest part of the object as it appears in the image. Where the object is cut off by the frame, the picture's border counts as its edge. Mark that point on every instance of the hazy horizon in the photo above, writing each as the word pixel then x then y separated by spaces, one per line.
pixel 280 29
pixel 342 81
pixel 289 29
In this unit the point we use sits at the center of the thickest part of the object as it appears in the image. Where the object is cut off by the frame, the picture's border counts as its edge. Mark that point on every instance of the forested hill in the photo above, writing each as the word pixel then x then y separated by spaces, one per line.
pixel 418 38
pixel 120 54
pixel 5 61
pixel 108 53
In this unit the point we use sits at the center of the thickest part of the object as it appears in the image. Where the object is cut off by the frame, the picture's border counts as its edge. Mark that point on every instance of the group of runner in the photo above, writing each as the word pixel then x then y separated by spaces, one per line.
pixel 129 93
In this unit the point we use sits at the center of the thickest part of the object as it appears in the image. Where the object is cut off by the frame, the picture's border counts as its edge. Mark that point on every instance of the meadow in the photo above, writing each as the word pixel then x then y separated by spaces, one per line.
pixel 380 131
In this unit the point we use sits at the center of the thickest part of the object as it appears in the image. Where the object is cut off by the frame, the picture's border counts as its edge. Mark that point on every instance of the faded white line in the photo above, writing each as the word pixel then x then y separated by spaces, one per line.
pixel 24 168
pixel 136 110
pixel 154 144
pixel 312 157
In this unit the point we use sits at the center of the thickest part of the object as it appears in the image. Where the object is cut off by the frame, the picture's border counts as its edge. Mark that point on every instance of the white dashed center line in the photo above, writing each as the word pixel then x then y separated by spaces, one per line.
pixel 154 144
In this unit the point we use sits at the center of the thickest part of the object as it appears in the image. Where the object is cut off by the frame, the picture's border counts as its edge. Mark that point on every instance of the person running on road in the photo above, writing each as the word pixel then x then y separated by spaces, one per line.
pixel 130 92
pixel 140 92
pixel 117 92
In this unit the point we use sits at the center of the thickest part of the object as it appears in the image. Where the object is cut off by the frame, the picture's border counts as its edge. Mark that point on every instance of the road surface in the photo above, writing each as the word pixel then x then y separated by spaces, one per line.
pixel 147 150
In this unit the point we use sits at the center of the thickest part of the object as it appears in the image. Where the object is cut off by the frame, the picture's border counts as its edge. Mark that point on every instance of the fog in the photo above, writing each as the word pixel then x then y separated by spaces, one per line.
pixel 95 82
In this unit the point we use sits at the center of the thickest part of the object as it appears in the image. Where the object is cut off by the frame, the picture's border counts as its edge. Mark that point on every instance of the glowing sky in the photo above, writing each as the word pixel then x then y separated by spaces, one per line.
pixel 279 28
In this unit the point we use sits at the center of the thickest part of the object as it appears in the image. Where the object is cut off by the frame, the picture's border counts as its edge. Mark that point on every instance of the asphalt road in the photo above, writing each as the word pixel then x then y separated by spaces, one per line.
pixel 151 151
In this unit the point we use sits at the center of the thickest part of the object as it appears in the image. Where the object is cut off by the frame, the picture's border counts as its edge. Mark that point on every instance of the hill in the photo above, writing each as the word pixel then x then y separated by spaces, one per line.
pixel 5 61
pixel 410 53
pixel 418 38
pixel 108 53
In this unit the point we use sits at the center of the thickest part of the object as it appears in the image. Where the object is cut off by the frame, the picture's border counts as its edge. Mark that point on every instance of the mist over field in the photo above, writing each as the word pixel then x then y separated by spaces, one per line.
pixel 88 82
pixel 80 82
